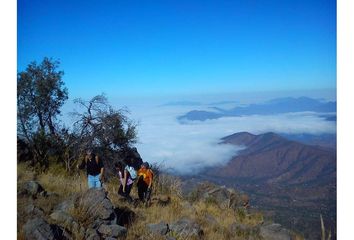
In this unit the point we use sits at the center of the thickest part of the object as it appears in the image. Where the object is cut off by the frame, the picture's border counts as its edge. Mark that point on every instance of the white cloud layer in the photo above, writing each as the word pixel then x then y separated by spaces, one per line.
pixel 186 148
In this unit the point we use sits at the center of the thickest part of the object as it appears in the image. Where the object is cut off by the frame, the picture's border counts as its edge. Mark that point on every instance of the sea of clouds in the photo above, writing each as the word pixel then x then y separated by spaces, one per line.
pixel 187 148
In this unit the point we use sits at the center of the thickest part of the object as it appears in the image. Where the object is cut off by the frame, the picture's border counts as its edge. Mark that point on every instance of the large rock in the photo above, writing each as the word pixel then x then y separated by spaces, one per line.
pixel 68 205
pixel 38 229
pixel 220 195
pixel 66 221
pixel 161 228
pixel 32 188
pixel 274 231
pixel 112 230
pixel 32 210
pixel 186 228
pixel 95 204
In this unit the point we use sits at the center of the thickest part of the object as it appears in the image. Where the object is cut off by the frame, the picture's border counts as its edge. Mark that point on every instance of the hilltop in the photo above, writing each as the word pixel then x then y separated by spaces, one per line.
pixel 55 205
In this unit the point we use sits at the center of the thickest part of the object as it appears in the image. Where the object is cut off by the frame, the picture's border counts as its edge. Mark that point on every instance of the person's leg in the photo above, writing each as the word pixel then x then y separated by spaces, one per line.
pixel 120 190
pixel 128 188
pixel 90 181
pixel 98 183
pixel 148 194
pixel 141 190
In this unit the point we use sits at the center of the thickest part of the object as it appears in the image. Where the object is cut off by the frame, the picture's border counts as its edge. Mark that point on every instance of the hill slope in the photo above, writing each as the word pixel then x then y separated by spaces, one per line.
pixel 273 159
pixel 293 182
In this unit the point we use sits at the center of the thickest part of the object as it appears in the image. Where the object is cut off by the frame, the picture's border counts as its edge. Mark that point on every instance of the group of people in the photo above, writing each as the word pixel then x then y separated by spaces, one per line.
pixel 127 176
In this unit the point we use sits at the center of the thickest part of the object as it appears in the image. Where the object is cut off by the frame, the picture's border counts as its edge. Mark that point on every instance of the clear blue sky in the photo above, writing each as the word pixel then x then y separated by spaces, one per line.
pixel 132 48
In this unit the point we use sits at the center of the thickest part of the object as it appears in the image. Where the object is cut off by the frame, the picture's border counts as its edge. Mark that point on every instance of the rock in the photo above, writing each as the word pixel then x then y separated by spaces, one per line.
pixel 244 230
pixel 32 210
pixel 161 228
pixel 93 237
pixel 186 227
pixel 222 196
pixel 95 204
pixel 62 218
pixel 274 231
pixel 66 221
pixel 32 188
pixel 67 205
pixel 112 230
pixel 91 234
pixel 38 228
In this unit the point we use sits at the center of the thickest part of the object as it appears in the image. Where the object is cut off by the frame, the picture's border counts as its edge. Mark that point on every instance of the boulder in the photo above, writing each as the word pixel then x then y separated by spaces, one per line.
pixel 220 195
pixel 112 230
pixel 62 218
pixel 95 204
pixel 161 228
pixel 32 188
pixel 32 210
pixel 67 205
pixel 186 228
pixel 38 228
pixel 274 231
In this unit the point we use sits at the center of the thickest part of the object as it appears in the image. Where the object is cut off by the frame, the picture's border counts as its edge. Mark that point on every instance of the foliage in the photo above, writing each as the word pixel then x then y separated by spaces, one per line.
pixel 101 126
pixel 40 95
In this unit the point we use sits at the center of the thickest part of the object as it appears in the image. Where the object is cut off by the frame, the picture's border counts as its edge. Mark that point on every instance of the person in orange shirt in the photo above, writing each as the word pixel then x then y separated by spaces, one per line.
pixel 145 178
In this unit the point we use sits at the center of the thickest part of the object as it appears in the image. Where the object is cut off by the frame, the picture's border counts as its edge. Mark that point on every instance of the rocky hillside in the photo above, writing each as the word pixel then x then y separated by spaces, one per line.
pixel 55 205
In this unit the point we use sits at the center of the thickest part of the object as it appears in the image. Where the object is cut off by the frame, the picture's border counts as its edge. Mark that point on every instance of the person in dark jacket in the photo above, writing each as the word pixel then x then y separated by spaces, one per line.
pixel 94 169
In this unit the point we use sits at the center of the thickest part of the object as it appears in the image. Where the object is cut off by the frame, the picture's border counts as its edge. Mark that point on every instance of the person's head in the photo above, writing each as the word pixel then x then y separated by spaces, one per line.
pixel 145 165
pixel 128 161
pixel 118 166
pixel 90 154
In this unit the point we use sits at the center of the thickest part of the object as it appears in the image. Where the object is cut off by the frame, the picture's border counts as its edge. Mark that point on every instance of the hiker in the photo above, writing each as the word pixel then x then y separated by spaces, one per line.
pixel 126 181
pixel 94 169
pixel 129 167
pixel 145 178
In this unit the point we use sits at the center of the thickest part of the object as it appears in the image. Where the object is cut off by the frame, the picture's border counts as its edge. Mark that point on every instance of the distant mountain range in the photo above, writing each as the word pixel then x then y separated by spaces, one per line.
pixel 275 106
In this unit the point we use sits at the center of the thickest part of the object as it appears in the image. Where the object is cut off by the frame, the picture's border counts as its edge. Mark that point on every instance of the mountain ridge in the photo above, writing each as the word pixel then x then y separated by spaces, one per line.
pixel 274 158
pixel 274 106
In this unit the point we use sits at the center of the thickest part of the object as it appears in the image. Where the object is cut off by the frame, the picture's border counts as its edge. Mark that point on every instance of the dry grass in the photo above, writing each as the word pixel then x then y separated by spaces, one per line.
pixel 214 221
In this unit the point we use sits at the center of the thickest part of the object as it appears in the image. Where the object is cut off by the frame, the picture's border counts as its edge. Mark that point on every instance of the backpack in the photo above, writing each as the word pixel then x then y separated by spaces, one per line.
pixel 132 172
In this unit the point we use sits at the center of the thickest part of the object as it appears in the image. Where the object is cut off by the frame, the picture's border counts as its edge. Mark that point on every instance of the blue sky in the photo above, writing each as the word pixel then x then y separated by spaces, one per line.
pixel 150 48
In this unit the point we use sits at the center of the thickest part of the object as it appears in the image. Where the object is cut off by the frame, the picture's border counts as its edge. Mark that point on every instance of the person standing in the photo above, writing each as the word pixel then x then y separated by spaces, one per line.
pixel 145 179
pixel 94 169
pixel 126 182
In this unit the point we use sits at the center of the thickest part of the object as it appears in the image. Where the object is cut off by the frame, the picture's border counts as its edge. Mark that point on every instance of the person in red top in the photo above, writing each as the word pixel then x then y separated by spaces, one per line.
pixel 145 179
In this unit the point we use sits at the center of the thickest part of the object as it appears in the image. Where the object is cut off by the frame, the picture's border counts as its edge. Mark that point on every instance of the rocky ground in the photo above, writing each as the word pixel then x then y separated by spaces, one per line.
pixel 50 208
